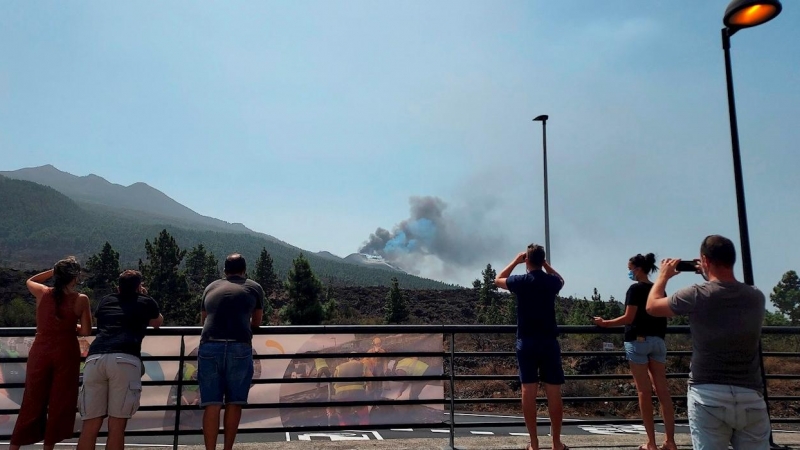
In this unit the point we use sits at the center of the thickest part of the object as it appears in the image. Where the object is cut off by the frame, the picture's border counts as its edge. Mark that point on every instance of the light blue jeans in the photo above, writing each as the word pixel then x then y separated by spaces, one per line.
pixel 721 414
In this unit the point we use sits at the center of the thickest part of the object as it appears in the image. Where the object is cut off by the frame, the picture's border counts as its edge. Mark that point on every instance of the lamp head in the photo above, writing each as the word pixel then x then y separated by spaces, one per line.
pixel 542 118
pixel 750 13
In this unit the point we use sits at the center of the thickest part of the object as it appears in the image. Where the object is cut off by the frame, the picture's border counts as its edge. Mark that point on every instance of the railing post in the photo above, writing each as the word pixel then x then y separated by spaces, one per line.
pixel 772 443
pixel 179 395
pixel 452 392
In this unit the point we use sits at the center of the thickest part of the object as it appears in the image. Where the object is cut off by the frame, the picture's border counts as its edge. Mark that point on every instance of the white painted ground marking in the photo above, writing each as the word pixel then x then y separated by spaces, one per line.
pixel 401 429
pixel 334 436
pixel 519 434
pixel 614 429
pixel 439 431
pixel 288 436
pixel 482 432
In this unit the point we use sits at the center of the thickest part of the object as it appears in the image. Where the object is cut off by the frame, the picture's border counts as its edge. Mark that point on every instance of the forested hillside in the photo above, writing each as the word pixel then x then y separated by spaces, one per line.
pixel 40 225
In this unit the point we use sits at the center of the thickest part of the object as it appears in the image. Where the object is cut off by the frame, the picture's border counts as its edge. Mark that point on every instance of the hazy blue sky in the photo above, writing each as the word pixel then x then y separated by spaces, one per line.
pixel 317 121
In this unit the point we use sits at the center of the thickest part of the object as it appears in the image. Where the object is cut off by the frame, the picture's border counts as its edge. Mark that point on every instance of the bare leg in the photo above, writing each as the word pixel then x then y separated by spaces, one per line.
pixel 89 431
pixel 116 433
pixel 555 408
pixel 658 375
pixel 529 391
pixel 211 425
pixel 233 415
pixel 645 391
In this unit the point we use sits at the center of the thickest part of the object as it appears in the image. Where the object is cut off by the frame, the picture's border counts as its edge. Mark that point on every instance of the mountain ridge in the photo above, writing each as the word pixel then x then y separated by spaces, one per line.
pixel 139 196
pixel 40 225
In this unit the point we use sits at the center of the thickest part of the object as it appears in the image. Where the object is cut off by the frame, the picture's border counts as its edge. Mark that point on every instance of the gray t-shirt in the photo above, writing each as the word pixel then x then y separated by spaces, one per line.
pixel 229 303
pixel 725 320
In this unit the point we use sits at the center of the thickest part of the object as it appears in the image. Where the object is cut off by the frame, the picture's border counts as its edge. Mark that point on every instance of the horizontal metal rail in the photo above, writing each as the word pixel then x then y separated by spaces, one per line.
pixel 450 375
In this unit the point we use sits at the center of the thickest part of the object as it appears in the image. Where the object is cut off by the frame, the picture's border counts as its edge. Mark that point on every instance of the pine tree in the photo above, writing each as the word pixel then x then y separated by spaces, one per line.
pixel 303 289
pixel 196 262
pixel 786 297
pixel 211 270
pixel 104 269
pixel 330 308
pixel 492 308
pixel 202 266
pixel 396 308
pixel 166 283
pixel 265 276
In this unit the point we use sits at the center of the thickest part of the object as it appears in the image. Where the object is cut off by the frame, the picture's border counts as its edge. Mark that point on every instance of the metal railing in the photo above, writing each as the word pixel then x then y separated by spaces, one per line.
pixel 449 354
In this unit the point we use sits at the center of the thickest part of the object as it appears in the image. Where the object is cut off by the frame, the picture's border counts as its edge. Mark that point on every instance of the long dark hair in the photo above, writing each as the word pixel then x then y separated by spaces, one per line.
pixel 646 262
pixel 64 272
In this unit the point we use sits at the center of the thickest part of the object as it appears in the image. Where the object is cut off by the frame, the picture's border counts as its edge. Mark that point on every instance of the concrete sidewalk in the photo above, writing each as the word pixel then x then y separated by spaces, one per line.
pixel 613 442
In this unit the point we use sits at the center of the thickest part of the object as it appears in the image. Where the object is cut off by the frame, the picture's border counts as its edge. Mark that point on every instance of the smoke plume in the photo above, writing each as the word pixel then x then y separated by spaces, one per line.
pixel 461 237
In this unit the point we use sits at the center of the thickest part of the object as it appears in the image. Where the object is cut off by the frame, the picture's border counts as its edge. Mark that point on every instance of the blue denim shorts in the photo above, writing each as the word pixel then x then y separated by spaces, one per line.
pixel 539 359
pixel 641 352
pixel 720 415
pixel 224 372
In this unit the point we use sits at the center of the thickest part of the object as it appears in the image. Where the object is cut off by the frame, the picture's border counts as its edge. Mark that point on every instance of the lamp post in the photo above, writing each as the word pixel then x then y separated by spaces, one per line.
pixel 738 15
pixel 543 118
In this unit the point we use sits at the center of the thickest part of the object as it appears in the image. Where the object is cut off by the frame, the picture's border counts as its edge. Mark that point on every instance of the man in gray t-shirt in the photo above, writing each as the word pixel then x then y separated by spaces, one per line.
pixel 231 308
pixel 725 317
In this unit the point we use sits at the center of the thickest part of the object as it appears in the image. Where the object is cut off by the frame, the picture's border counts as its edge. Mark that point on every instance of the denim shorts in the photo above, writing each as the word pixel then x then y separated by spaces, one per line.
pixel 642 352
pixel 539 359
pixel 720 415
pixel 224 372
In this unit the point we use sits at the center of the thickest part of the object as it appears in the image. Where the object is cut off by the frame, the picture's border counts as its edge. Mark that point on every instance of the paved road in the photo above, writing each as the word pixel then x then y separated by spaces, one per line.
pixel 572 427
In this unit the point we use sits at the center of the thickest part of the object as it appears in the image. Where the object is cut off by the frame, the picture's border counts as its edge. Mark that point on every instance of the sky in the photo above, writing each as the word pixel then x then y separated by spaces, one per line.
pixel 320 122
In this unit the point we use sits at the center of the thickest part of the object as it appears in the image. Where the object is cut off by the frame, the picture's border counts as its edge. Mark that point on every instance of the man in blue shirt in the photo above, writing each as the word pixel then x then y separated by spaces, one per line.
pixel 538 352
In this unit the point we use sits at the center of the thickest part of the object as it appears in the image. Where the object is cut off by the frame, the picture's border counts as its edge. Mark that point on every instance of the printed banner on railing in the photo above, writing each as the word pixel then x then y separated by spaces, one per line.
pixel 314 365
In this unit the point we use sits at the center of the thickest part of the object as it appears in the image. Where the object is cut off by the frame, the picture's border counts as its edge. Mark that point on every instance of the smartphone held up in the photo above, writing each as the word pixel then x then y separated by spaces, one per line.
pixel 691 265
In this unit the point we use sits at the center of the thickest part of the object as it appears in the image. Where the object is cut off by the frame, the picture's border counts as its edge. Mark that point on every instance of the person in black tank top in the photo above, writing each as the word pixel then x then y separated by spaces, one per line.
pixel 646 350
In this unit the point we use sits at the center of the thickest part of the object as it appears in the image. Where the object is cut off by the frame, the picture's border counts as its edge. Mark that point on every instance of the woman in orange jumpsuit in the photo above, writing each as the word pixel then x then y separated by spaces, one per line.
pixel 51 379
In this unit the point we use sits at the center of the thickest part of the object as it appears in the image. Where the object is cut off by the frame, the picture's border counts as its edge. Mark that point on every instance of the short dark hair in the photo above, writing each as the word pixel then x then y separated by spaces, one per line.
pixel 718 250
pixel 535 254
pixel 235 264
pixel 129 281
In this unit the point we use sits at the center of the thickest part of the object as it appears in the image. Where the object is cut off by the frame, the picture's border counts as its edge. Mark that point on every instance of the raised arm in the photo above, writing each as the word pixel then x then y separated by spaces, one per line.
pixel 35 285
pixel 657 300
pixel 501 280
pixel 549 270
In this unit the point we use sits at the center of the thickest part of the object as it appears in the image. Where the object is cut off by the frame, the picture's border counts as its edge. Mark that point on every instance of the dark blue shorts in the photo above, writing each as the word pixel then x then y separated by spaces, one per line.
pixel 539 359
pixel 224 372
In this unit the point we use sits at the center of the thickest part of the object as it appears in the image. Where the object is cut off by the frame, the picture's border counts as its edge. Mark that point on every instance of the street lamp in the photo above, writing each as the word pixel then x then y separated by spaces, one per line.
pixel 744 14
pixel 543 118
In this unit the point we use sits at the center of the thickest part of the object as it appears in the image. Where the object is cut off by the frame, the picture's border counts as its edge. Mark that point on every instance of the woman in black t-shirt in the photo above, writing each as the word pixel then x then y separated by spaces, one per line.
pixel 646 350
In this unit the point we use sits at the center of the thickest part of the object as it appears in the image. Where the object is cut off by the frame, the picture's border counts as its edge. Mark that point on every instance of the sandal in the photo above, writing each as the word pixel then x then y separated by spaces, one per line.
pixel 666 446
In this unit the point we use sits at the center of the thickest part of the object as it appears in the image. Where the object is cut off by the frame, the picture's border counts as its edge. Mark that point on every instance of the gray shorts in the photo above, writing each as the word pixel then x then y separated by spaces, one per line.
pixel 112 386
